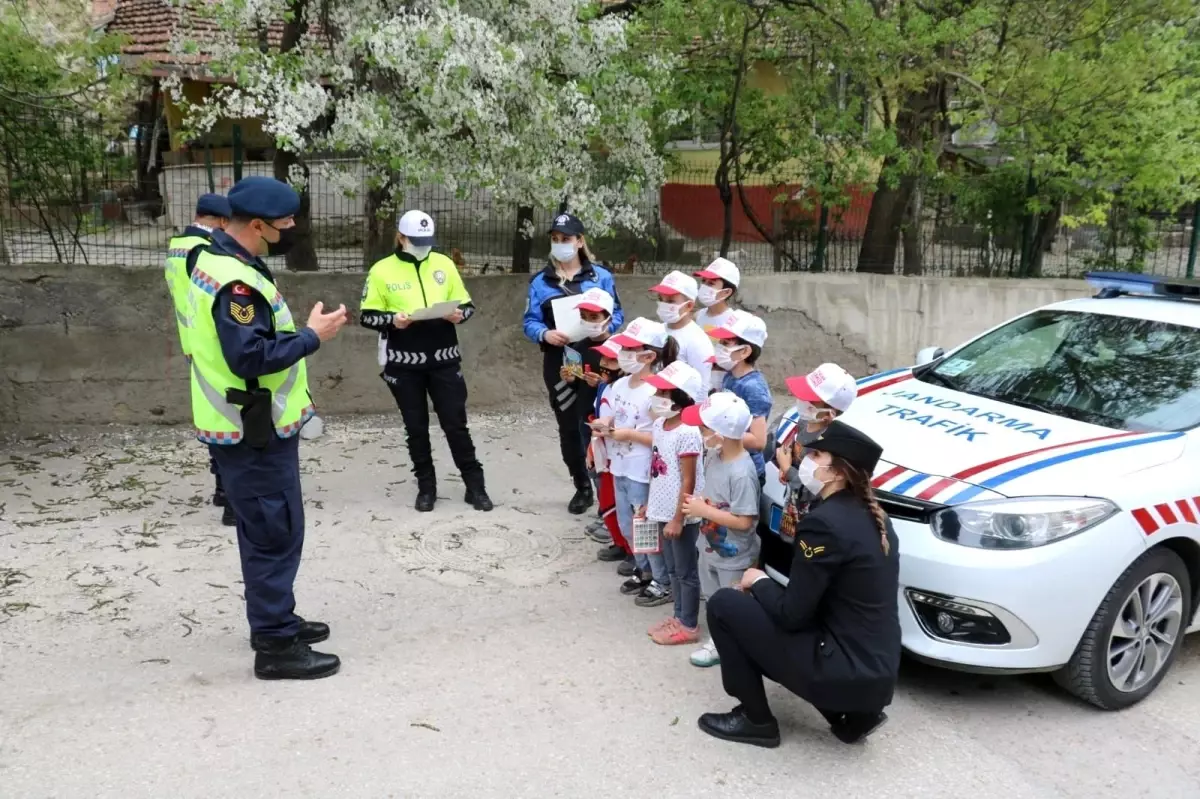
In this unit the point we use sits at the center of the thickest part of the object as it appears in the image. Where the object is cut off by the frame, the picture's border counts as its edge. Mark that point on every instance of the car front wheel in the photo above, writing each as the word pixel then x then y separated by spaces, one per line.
pixel 1134 636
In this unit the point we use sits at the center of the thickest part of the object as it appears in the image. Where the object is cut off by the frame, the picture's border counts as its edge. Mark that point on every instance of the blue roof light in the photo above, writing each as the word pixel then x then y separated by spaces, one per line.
pixel 1115 284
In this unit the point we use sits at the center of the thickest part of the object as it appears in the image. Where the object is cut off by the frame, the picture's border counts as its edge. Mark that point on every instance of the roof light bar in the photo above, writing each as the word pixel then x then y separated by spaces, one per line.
pixel 1116 284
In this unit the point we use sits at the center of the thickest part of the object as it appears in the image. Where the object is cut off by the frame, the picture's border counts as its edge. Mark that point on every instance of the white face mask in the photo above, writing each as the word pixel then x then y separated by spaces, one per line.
pixel 629 363
pixel 807 472
pixel 662 408
pixel 724 356
pixel 811 413
pixel 712 441
pixel 420 253
pixel 708 296
pixel 668 313
pixel 593 329
pixel 564 251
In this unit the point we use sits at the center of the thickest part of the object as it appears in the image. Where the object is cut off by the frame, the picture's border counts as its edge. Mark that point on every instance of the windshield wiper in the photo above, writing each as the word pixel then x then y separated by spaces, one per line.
pixel 931 376
pixel 1034 406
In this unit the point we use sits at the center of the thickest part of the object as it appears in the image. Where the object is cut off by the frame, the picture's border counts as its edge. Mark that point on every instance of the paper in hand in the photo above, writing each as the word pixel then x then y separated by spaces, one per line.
pixel 436 311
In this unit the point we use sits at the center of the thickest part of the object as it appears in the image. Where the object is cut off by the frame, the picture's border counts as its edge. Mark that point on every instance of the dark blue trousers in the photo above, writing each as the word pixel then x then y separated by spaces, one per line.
pixel 263 488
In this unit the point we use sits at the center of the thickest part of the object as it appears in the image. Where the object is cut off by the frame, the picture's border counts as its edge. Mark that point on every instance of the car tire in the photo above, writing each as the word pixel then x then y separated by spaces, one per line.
pixel 1088 674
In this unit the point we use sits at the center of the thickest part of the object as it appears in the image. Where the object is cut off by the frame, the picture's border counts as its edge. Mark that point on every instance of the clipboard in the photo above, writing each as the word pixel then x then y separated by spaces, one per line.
pixel 566 316
pixel 436 311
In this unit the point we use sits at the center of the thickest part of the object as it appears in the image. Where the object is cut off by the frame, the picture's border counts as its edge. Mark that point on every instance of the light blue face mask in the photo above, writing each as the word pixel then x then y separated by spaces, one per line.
pixel 564 251
pixel 420 253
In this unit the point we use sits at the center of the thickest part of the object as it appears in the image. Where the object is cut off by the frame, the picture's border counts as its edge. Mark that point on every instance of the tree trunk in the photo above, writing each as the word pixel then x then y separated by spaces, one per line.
pixel 1043 238
pixel 913 250
pixel 522 243
pixel 303 256
pixel 381 233
pixel 882 235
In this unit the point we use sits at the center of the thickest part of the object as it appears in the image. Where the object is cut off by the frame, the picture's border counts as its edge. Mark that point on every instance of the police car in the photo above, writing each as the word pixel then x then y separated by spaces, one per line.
pixel 1044 481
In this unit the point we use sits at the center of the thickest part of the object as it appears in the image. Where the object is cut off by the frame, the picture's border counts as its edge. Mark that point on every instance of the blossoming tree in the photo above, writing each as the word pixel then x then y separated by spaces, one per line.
pixel 537 101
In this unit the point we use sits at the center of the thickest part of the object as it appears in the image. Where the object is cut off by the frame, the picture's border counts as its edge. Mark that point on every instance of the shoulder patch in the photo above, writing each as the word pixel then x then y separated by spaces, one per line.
pixel 809 552
pixel 241 290
pixel 242 314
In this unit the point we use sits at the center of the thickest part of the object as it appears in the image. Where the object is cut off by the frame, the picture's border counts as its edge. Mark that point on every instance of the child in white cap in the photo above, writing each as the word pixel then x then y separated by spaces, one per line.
pixel 719 283
pixel 824 394
pixel 676 296
pixel 740 342
pixel 728 505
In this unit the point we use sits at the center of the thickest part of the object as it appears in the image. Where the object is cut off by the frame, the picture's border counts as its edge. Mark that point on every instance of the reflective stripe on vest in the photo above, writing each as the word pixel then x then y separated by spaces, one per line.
pixel 175 271
pixel 218 421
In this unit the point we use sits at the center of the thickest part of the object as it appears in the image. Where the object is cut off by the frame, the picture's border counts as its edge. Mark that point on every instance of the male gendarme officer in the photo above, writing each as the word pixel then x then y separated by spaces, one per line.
pixel 249 400
pixel 212 213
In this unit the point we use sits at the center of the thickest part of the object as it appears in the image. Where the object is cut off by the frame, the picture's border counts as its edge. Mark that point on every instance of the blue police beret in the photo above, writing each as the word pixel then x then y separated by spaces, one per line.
pixel 258 197
pixel 213 205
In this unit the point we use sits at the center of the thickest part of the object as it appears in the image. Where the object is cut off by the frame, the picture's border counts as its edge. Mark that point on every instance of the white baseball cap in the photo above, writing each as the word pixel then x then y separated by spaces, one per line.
pixel 743 325
pixel 679 375
pixel 722 269
pixel 678 283
pixel 608 349
pixel 724 412
pixel 642 332
pixel 417 227
pixel 597 300
pixel 828 383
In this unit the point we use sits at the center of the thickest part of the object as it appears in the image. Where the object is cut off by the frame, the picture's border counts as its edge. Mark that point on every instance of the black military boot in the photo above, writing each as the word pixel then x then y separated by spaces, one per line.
pixel 291 659
pixel 426 499
pixel 228 517
pixel 478 499
pixel 311 632
pixel 582 500
pixel 219 497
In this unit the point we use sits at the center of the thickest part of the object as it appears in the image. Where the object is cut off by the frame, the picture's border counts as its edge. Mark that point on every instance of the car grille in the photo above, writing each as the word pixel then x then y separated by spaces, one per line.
pixel 910 510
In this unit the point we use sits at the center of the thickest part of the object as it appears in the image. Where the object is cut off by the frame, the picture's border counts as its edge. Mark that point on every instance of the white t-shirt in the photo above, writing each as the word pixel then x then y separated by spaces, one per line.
pixel 630 409
pixel 666 477
pixel 709 322
pixel 695 348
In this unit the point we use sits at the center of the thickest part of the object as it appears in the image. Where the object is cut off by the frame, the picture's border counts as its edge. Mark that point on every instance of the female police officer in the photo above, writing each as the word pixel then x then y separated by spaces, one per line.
pixel 421 358
pixel 833 635
pixel 570 272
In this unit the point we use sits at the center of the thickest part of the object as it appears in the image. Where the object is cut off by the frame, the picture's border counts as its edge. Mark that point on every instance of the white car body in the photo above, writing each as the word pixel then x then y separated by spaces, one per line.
pixel 948 447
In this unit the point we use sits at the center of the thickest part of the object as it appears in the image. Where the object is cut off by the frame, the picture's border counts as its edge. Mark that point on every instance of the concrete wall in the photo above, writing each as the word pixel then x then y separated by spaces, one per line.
pixel 88 345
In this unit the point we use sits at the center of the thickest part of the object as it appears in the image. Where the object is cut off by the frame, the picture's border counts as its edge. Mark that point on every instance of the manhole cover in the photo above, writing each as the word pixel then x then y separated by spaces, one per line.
pixel 493 554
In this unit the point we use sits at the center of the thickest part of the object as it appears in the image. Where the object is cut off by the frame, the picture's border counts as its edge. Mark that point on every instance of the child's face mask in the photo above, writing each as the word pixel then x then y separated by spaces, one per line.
pixel 728 356
pixel 629 363
pixel 662 408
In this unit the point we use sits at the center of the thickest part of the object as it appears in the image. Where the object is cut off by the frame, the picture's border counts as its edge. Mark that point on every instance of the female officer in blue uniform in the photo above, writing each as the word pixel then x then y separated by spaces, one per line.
pixel 833 635
pixel 262 479
pixel 570 272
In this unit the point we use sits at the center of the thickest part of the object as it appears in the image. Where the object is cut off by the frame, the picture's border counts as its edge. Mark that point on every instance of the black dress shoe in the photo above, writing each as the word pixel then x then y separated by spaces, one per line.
pixel 855 727
pixel 313 632
pixel 478 499
pixel 734 726
pixel 425 501
pixel 582 500
pixel 292 659
pixel 228 517
pixel 611 554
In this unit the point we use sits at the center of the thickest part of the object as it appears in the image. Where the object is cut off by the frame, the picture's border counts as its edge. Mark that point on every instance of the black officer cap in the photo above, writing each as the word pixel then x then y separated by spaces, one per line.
pixel 213 205
pixel 850 444
pixel 259 197
pixel 567 224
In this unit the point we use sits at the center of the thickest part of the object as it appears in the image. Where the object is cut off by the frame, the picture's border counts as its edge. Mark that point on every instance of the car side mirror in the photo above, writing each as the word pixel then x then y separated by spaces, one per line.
pixel 929 355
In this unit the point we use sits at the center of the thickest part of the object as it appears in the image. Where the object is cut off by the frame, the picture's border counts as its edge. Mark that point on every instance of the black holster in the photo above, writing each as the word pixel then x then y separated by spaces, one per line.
pixel 256 414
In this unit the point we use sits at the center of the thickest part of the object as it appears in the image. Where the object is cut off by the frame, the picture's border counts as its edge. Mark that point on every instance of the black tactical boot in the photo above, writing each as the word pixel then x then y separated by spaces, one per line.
pixel 425 500
pixel 478 499
pixel 228 517
pixel 311 632
pixel 582 500
pixel 291 659
pixel 219 497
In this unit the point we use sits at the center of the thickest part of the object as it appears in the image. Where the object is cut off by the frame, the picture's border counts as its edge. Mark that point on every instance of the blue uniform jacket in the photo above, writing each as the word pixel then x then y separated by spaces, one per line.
pixel 254 348
pixel 546 286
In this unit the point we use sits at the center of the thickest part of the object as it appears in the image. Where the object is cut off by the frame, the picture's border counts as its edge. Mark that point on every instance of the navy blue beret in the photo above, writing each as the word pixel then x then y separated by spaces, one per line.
pixel 258 197
pixel 213 205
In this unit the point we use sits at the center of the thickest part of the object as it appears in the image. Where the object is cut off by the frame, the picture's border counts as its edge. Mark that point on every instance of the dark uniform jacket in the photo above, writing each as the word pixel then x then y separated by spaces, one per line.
pixel 839 610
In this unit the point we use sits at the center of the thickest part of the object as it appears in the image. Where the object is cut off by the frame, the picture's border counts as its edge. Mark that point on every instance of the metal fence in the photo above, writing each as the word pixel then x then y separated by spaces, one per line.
pixel 86 193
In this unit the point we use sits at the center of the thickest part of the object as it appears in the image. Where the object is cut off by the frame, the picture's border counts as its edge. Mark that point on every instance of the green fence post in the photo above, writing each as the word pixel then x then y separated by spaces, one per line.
pixel 1191 264
pixel 237 153
pixel 212 186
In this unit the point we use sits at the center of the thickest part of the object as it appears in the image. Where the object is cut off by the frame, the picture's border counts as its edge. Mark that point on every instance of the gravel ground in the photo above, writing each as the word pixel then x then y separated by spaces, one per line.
pixel 483 655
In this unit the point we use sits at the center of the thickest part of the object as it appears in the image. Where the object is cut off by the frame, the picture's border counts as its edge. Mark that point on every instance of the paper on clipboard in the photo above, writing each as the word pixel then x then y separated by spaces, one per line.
pixel 566 316
pixel 434 311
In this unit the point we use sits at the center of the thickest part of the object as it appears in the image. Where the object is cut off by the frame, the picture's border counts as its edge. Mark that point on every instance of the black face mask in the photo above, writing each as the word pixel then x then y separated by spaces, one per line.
pixel 287 240
pixel 610 375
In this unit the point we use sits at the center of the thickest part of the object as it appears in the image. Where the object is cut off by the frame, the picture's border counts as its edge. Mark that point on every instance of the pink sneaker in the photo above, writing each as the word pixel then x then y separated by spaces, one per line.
pixel 676 634
pixel 655 629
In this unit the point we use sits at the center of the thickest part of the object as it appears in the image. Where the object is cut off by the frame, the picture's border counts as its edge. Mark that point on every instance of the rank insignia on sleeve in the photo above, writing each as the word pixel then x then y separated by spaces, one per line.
pixel 809 552
pixel 242 314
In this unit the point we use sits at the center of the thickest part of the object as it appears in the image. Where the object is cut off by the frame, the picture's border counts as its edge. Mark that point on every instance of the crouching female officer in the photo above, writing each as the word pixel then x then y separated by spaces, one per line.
pixel 832 636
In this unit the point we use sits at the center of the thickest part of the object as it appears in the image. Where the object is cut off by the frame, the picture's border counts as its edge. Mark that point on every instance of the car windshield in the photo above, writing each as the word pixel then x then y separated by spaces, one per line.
pixel 1114 371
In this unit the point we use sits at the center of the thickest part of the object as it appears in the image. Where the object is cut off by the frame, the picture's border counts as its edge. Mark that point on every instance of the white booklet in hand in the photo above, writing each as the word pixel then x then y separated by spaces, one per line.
pixel 436 311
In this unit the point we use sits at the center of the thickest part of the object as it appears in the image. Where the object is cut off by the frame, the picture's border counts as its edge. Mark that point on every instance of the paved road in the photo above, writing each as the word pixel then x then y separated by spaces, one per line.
pixel 484 656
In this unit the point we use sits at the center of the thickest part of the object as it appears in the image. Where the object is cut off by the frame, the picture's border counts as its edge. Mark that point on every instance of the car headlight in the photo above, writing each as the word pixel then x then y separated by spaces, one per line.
pixel 1019 523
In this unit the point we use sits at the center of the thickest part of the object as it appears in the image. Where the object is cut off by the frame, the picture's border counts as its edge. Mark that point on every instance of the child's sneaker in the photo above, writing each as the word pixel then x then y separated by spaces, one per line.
pixel 653 595
pixel 598 532
pixel 676 634
pixel 706 656
pixel 635 584
pixel 667 622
